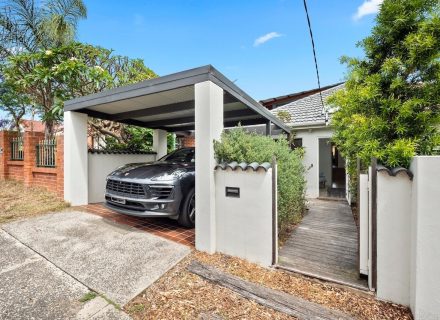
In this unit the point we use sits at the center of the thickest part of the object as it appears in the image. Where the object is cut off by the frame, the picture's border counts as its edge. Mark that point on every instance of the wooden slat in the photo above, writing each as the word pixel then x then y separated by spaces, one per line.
pixel 325 244
pixel 277 300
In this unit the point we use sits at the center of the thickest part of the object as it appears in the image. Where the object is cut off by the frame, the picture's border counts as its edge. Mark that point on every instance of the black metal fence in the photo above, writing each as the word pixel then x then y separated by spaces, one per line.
pixel 17 151
pixel 46 153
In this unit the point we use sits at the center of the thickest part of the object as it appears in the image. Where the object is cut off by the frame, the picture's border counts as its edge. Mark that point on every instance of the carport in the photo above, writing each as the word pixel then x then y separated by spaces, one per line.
pixel 200 99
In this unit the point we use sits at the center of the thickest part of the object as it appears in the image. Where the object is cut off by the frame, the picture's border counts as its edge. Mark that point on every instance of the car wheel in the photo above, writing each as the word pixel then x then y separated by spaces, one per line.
pixel 187 216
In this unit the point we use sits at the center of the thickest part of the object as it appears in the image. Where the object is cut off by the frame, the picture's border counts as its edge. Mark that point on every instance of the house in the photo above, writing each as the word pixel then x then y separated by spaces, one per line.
pixel 32 126
pixel 325 166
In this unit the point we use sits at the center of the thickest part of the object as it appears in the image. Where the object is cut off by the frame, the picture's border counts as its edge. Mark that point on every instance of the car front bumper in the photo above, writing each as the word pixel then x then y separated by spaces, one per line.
pixel 143 214
pixel 141 207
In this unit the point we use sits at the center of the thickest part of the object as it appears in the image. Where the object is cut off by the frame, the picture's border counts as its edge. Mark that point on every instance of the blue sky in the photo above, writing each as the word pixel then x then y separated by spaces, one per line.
pixel 174 35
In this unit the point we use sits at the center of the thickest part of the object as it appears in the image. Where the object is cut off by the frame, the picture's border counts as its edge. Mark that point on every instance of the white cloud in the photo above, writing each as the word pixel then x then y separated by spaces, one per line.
pixel 266 37
pixel 367 8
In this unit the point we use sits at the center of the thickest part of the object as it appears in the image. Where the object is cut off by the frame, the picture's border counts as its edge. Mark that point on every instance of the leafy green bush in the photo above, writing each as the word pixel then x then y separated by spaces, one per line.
pixel 135 138
pixel 238 145
pixel 389 108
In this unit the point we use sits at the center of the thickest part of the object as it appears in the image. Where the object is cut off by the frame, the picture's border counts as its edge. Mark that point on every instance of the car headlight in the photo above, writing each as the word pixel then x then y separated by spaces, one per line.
pixel 169 176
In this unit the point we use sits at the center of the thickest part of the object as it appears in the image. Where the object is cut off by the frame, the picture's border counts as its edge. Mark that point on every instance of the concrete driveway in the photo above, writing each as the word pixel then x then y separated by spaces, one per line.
pixel 48 264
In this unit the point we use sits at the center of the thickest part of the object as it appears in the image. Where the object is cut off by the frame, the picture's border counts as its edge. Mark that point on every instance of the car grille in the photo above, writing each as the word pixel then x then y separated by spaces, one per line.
pixel 128 189
pixel 160 192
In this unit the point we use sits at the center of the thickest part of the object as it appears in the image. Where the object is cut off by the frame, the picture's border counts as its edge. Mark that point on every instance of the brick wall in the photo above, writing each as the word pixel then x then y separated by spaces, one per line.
pixel 189 141
pixel 26 170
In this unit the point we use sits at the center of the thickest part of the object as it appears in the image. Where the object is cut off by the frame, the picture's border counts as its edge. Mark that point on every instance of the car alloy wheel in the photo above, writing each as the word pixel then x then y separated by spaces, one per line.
pixel 192 209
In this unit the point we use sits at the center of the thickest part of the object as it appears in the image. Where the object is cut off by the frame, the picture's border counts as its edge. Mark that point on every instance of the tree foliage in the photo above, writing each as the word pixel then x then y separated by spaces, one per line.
pixel 31 25
pixel 390 106
pixel 238 145
pixel 133 138
pixel 14 104
pixel 51 77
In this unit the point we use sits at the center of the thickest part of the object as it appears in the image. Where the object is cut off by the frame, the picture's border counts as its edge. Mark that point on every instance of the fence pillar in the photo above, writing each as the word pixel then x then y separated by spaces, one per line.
pixel 5 153
pixel 30 141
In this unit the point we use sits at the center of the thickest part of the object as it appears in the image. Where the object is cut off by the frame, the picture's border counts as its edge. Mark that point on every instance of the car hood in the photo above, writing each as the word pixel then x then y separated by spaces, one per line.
pixel 149 170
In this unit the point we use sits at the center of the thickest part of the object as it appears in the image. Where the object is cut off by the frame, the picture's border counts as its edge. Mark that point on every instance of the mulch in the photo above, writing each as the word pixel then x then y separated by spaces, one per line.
pixel 180 294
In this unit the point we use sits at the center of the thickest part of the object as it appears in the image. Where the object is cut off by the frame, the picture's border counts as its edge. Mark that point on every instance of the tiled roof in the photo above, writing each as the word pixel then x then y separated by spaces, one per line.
pixel 33 125
pixel 244 166
pixel 308 110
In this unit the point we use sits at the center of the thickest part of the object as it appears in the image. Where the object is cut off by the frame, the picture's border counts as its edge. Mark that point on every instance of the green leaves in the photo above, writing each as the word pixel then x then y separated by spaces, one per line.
pixel 31 25
pixel 52 76
pixel 390 108
pixel 238 145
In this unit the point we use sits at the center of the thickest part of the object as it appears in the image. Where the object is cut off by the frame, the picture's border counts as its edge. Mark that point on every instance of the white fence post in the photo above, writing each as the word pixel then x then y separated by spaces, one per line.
pixel 244 225
pixel 425 238
pixel 364 229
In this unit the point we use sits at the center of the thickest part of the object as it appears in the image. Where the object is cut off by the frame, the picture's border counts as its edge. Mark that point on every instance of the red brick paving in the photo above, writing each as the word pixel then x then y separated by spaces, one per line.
pixel 162 227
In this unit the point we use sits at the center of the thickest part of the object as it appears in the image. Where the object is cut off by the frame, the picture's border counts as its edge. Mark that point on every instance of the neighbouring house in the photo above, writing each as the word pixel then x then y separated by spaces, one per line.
pixel 32 126
pixel 326 176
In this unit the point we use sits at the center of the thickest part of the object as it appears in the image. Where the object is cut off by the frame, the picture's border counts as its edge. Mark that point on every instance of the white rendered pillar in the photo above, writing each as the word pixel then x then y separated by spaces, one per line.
pixel 208 127
pixel 160 142
pixel 75 158
pixel 425 238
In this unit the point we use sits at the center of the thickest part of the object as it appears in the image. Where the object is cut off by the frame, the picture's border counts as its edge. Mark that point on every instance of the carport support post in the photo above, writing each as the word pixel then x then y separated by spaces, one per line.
pixel 160 142
pixel 208 127
pixel 75 158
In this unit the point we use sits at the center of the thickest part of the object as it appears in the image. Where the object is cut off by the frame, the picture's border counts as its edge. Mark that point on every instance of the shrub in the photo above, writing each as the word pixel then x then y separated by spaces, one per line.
pixel 389 108
pixel 238 145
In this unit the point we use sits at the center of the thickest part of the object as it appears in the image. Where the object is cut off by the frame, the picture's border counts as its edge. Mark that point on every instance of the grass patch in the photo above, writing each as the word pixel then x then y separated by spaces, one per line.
pixel 18 201
pixel 136 308
pixel 88 296
pixel 114 304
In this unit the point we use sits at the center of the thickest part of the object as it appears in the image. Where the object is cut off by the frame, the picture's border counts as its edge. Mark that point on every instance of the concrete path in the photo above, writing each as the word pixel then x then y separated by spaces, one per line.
pixel 325 244
pixel 47 264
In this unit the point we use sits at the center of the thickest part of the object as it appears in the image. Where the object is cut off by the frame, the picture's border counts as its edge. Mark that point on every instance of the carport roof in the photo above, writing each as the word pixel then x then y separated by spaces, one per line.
pixel 168 102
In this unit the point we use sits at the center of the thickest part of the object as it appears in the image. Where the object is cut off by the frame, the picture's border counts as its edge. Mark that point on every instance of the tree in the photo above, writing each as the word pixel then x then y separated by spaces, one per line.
pixel 390 108
pixel 51 77
pixel 30 25
pixel 16 105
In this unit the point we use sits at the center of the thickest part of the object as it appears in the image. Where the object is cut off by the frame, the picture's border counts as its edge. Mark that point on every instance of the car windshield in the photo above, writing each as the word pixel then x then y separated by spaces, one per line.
pixel 182 155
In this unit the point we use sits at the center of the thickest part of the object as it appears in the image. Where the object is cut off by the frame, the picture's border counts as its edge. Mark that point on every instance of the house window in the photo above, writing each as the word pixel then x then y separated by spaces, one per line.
pixel 297 143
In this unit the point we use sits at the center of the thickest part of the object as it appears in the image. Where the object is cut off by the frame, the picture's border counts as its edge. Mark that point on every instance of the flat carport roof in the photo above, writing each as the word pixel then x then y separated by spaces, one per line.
pixel 168 103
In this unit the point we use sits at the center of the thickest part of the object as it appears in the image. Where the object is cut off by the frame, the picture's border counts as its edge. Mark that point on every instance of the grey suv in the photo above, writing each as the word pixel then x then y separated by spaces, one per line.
pixel 164 188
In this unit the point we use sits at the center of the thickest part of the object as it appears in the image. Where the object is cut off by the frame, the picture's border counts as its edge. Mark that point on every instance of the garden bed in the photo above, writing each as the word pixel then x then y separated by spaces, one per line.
pixel 180 294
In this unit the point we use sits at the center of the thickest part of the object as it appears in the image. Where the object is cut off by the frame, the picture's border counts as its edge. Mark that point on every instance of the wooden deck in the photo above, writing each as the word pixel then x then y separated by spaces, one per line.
pixel 324 245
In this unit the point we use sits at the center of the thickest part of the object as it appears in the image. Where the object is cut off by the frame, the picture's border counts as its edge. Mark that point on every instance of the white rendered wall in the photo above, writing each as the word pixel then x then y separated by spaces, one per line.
pixel 393 237
pixel 370 228
pixel 425 275
pixel 208 127
pixel 160 142
pixel 363 224
pixel 310 139
pixel 244 225
pixel 75 158
pixel 100 165
pixel 325 160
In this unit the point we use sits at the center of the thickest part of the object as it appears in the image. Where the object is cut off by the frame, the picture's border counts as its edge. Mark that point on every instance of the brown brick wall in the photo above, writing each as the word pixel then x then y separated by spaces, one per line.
pixel 27 171
pixel 189 141
pixel 46 180
pixel 15 170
